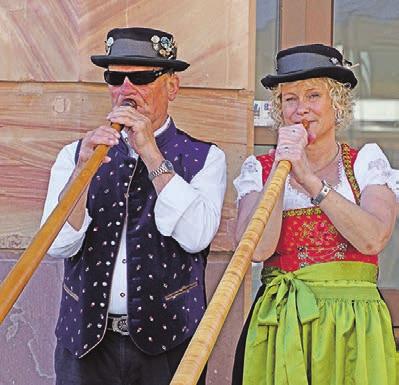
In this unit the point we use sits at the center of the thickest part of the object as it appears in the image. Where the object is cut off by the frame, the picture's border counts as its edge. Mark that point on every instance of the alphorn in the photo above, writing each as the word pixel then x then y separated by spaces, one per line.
pixel 204 339
pixel 20 274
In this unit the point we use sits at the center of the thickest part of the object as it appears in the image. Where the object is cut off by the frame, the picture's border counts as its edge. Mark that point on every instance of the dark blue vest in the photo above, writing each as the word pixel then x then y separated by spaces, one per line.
pixel 166 293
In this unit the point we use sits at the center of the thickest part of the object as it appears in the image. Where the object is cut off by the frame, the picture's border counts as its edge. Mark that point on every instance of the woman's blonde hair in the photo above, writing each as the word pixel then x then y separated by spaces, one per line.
pixel 341 98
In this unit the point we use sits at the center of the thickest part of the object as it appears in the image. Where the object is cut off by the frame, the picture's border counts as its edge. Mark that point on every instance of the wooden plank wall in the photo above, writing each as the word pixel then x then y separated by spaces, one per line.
pixel 306 22
pixel 50 94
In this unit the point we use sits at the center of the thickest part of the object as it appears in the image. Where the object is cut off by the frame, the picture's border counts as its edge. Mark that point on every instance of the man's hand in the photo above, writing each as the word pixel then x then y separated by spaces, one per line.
pixel 139 129
pixel 101 135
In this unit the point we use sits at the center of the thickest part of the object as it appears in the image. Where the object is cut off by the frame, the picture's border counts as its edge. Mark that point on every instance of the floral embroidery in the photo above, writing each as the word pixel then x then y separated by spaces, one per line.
pixel 317 232
pixel 249 166
pixel 307 211
pixel 382 166
pixel 379 164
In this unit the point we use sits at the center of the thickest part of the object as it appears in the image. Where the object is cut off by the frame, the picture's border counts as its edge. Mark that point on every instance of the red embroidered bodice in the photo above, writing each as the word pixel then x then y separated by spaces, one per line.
pixel 307 235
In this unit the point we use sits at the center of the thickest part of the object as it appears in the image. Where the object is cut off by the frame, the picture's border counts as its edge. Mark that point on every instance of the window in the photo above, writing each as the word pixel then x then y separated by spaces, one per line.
pixel 366 31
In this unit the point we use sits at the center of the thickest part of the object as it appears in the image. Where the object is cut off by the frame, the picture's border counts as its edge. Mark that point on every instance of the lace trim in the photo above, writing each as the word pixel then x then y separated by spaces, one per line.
pixel 250 178
pixel 393 183
pixel 250 166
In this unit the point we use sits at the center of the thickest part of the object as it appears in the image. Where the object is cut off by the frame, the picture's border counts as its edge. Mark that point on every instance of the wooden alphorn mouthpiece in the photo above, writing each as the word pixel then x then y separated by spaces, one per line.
pixel 127 103
pixel 305 123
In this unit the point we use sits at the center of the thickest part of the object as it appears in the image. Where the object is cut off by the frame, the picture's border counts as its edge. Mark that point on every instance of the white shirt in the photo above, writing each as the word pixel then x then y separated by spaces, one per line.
pixel 188 212
pixel 371 167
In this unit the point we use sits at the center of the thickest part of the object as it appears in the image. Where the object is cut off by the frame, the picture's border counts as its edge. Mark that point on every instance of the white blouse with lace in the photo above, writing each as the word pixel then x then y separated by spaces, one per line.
pixel 371 167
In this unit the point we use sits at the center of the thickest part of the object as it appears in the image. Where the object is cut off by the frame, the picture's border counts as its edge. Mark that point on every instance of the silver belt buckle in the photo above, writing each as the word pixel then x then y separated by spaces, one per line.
pixel 119 325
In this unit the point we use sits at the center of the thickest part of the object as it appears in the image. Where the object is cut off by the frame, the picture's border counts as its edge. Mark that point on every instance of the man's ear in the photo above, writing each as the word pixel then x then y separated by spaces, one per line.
pixel 173 84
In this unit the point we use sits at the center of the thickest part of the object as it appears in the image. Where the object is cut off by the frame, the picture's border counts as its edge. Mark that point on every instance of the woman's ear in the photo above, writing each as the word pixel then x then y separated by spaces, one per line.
pixel 173 84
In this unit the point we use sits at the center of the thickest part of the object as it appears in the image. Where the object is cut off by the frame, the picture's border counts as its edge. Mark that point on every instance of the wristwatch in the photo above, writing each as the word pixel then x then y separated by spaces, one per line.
pixel 166 167
pixel 322 194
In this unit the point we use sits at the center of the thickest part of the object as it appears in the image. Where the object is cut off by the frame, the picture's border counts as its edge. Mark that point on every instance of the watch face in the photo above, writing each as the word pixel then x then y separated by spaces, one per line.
pixel 168 164
pixel 165 167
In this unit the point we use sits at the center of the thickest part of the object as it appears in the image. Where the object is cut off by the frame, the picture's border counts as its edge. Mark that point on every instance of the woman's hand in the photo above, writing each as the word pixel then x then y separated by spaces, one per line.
pixel 291 144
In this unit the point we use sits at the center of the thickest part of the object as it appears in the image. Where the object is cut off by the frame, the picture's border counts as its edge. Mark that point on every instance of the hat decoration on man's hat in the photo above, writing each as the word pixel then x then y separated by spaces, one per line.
pixel 310 61
pixel 140 46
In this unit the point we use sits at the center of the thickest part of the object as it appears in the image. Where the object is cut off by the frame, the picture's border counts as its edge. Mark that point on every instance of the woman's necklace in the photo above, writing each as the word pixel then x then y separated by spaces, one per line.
pixel 332 180
pixel 331 161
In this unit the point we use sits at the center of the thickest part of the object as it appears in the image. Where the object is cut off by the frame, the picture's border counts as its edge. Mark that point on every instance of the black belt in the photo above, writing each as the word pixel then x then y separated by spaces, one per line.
pixel 118 324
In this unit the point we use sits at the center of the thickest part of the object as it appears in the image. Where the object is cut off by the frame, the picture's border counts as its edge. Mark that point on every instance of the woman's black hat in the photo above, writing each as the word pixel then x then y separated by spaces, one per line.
pixel 310 61
pixel 140 46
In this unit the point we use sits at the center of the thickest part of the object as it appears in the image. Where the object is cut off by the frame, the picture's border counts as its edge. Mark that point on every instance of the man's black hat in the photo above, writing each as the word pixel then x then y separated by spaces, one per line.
pixel 310 61
pixel 140 46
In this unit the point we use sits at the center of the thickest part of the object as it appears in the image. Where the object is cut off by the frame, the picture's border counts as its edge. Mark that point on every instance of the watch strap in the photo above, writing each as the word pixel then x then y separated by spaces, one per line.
pixel 164 168
pixel 322 194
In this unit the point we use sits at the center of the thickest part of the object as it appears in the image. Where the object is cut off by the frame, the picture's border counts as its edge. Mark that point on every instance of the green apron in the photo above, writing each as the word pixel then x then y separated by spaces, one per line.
pixel 324 324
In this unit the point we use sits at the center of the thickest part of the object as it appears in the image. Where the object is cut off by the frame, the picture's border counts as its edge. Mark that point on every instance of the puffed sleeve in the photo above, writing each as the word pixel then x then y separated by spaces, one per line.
pixel 250 178
pixel 372 167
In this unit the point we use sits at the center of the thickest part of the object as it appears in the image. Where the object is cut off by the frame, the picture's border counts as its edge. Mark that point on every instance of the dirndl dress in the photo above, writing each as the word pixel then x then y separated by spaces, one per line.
pixel 318 318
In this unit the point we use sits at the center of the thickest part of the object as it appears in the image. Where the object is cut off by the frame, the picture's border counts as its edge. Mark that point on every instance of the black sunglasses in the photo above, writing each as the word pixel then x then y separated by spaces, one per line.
pixel 116 78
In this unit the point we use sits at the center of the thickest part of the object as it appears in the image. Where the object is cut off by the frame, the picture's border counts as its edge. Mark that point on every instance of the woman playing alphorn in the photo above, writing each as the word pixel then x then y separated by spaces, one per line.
pixel 318 317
